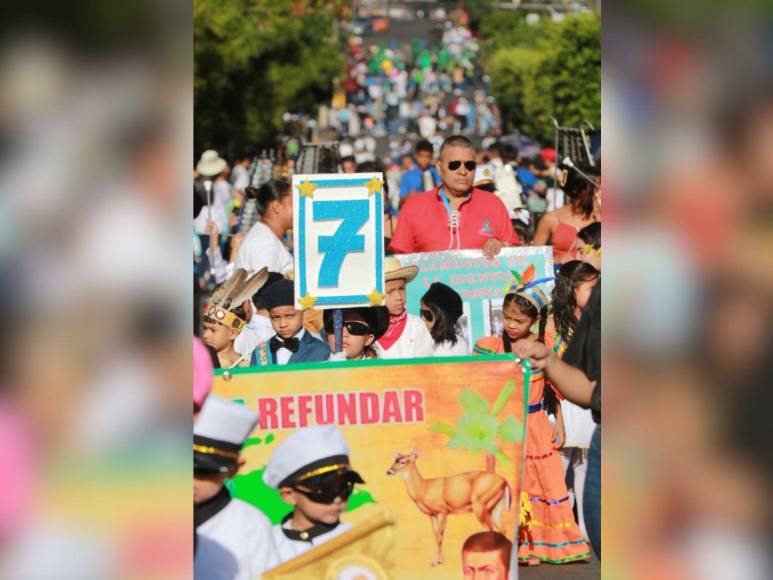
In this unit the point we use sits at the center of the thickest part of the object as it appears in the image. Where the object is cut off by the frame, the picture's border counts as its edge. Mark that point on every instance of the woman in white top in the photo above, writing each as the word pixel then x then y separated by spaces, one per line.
pixel 441 309
pixel 263 247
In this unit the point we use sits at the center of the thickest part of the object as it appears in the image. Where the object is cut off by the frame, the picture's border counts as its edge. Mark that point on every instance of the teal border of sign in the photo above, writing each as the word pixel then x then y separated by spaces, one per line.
pixel 333 300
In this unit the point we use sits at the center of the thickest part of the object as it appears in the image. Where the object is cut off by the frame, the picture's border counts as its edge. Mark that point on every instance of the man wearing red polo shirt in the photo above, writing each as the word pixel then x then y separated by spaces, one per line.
pixel 454 216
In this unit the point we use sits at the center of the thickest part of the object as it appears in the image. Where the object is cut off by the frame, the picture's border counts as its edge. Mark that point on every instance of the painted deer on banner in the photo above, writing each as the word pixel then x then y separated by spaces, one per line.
pixel 483 493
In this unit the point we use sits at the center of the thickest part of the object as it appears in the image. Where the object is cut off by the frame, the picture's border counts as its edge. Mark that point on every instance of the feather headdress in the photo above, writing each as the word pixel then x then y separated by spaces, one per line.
pixel 232 294
pixel 524 284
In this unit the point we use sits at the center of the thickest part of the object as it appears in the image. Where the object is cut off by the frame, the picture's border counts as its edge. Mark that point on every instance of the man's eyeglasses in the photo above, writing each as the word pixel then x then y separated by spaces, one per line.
pixel 328 495
pixel 427 315
pixel 353 328
pixel 468 165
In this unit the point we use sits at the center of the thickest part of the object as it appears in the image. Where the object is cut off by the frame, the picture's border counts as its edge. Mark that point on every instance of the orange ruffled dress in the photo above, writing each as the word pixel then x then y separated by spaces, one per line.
pixel 548 529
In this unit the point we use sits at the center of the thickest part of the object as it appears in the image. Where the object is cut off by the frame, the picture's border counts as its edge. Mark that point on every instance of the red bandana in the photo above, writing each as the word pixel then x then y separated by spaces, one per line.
pixel 395 330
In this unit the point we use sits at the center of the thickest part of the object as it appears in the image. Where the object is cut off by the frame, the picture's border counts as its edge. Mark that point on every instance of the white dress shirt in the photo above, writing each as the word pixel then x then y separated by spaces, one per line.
pixel 261 248
pixel 414 342
pixel 235 544
pixel 283 354
pixel 445 348
pixel 289 549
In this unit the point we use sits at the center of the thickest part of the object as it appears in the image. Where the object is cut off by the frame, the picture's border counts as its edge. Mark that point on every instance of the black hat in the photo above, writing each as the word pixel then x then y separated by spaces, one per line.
pixel 258 297
pixel 445 298
pixel 376 317
pixel 218 434
pixel 280 293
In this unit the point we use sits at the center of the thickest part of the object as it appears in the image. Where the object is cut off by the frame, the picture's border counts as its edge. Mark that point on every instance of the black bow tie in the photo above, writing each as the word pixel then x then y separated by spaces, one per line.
pixel 290 344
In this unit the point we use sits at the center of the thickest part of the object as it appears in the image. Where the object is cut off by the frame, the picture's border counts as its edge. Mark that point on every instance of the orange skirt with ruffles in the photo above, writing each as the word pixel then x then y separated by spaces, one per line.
pixel 548 529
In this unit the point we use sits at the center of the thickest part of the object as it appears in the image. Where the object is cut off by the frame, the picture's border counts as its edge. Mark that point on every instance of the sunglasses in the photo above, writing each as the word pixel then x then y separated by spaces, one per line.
pixel 468 165
pixel 328 495
pixel 427 315
pixel 353 328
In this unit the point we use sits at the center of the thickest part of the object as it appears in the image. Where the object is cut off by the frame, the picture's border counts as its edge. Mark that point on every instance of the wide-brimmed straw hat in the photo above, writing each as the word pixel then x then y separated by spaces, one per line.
pixel 394 270
pixel 211 164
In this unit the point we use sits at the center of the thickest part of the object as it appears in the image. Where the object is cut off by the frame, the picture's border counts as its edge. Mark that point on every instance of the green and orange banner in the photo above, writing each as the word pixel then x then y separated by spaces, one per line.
pixel 436 441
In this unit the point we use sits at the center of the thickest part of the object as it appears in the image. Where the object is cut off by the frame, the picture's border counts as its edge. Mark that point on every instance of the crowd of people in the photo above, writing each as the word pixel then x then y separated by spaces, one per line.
pixel 444 202
pixel 416 88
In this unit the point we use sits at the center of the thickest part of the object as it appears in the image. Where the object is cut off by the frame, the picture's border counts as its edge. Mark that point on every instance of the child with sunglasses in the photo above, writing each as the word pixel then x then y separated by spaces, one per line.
pixel 441 309
pixel 361 328
pixel 312 472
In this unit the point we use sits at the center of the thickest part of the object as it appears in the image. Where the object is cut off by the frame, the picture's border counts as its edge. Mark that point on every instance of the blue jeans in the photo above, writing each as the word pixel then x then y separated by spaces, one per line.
pixel 592 499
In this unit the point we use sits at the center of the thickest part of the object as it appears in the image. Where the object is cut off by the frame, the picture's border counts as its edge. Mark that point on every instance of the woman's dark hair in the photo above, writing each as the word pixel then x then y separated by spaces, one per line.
pixel 444 329
pixel 591 234
pixel 548 396
pixel 564 301
pixel 580 193
pixel 273 190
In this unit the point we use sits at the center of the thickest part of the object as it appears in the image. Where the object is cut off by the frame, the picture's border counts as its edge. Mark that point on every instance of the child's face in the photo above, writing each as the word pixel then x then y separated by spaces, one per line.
pixel 218 336
pixel 517 323
pixel 591 257
pixel 207 485
pixel 582 292
pixel 287 321
pixel 354 344
pixel 395 296
pixel 312 511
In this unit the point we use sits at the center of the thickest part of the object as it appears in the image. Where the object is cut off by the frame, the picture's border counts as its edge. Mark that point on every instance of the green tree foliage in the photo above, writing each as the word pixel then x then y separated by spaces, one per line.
pixel 553 71
pixel 254 60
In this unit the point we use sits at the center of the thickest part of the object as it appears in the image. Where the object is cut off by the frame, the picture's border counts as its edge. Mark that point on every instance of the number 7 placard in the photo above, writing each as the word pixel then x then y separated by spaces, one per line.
pixel 339 241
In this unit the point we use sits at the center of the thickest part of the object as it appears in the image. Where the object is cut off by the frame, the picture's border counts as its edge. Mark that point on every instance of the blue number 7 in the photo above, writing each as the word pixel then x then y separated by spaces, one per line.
pixel 354 214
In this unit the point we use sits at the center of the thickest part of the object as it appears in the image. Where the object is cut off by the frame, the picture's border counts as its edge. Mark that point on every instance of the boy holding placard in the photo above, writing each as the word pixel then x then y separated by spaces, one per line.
pixel 291 343
pixel 312 472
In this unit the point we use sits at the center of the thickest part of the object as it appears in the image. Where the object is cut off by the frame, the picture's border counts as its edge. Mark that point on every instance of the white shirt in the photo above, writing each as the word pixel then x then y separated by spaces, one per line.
pixel 283 354
pixel 235 544
pixel 261 248
pixel 289 549
pixel 414 342
pixel 257 331
pixel 240 177
pixel 445 348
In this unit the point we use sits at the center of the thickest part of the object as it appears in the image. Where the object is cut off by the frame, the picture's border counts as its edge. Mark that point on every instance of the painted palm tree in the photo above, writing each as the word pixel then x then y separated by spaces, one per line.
pixel 479 430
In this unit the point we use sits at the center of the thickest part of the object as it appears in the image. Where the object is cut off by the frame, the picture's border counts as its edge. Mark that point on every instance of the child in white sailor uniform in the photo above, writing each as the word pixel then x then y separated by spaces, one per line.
pixel 233 539
pixel 292 343
pixel 311 470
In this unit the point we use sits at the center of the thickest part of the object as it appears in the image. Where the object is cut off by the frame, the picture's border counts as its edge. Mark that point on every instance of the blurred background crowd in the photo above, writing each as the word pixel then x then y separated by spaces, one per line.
pixel 95 397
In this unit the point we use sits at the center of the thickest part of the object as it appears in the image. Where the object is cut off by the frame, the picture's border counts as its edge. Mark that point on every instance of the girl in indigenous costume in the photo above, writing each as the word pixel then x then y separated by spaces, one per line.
pixel 548 531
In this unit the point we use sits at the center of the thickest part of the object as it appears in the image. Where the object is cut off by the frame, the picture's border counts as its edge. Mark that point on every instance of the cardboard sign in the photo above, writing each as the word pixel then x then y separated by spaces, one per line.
pixel 339 241
pixel 479 281
pixel 424 434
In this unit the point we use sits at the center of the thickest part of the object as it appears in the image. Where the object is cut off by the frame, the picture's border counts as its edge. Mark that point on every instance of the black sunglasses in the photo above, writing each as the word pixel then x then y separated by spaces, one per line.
pixel 468 165
pixel 328 495
pixel 427 315
pixel 353 328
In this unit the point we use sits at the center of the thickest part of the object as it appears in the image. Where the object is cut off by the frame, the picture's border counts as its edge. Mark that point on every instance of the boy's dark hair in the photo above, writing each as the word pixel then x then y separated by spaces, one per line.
pixel 272 277
pixel 349 158
pixel 563 299
pixel 495 147
pixel 489 542
pixel 591 234
pixel 424 145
